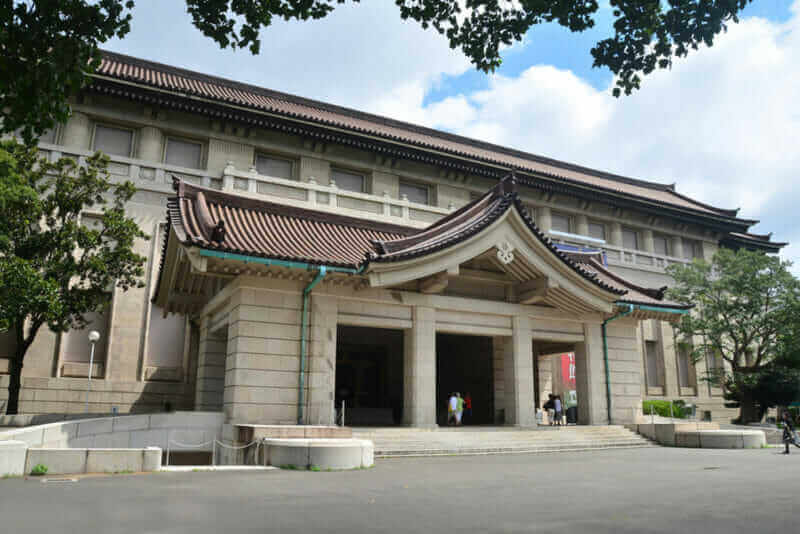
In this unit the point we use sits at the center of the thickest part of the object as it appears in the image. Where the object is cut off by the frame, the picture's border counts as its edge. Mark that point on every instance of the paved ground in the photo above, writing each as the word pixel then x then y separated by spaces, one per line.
pixel 640 490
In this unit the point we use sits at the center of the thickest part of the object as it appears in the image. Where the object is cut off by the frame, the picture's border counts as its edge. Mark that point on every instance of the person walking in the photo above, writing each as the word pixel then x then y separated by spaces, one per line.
pixel 789 436
pixel 459 408
pixel 467 408
pixel 557 408
pixel 549 407
pixel 452 404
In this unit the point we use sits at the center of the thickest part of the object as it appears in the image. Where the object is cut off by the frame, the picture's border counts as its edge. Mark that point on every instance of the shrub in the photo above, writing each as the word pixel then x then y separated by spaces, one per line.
pixel 662 408
pixel 39 470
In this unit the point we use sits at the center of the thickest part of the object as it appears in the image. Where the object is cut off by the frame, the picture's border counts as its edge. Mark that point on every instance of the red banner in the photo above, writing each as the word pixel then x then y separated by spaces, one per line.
pixel 568 371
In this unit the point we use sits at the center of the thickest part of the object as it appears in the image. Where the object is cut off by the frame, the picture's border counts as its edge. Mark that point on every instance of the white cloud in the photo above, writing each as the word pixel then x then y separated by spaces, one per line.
pixel 724 123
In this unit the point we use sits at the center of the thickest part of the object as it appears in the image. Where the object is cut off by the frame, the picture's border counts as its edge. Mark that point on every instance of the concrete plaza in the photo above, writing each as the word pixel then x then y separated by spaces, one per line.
pixel 641 490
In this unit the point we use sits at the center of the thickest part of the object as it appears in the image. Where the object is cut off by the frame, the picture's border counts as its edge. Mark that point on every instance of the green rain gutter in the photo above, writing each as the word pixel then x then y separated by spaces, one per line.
pixel 630 310
pixel 322 270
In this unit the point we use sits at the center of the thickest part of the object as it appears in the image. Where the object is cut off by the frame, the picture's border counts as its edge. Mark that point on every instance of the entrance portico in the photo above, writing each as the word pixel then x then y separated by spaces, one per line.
pixel 278 283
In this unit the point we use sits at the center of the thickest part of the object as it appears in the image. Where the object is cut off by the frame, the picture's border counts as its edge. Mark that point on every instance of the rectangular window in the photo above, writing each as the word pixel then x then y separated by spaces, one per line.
pixel 684 355
pixel 560 222
pixel 49 136
pixel 661 245
pixel 418 194
pixel 692 249
pixel 113 141
pixel 183 153
pixel 349 181
pixel 597 230
pixel 652 356
pixel 275 167
pixel 630 239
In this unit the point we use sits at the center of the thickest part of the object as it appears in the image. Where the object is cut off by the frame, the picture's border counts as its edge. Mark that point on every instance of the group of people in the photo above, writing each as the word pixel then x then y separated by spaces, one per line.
pixel 459 409
pixel 554 408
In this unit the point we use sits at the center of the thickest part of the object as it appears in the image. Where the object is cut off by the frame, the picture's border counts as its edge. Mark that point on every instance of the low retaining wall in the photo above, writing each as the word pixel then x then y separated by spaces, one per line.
pixel 318 453
pixel 664 433
pixel 76 461
pixel 721 439
pixel 126 431
pixel 12 458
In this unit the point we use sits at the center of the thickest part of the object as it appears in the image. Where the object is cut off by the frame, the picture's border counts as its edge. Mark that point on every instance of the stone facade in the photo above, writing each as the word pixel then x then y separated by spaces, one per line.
pixel 241 354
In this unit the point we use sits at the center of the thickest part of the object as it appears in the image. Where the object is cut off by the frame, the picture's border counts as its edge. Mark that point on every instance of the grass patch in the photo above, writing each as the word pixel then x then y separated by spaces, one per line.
pixel 315 468
pixel 290 467
pixel 124 472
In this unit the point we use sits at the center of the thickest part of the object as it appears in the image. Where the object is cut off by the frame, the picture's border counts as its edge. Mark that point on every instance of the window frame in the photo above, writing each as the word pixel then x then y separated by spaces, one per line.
pixel 410 183
pixel 364 184
pixel 132 148
pixel 201 163
pixel 667 248
pixel 293 173
pixel 570 222
pixel 636 235
pixel 603 225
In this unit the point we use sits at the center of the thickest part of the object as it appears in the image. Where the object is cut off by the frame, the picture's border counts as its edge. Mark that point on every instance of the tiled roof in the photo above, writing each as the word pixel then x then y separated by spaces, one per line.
pixel 192 84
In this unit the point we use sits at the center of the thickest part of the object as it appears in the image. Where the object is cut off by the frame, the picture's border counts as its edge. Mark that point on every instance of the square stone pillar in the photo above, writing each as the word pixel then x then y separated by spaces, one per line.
pixel 419 369
pixel 590 377
pixel 518 369
pixel 321 377
pixel 210 369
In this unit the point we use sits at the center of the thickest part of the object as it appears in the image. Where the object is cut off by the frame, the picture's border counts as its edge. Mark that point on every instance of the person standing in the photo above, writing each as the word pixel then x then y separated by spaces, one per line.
pixel 549 407
pixel 789 436
pixel 557 408
pixel 452 404
pixel 459 408
pixel 467 408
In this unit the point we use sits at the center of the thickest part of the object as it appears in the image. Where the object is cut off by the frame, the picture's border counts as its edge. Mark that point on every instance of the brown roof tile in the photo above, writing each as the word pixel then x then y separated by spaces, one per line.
pixel 189 83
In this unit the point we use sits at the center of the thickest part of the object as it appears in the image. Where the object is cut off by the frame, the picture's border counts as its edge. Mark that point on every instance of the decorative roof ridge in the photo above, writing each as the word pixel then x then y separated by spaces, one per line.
pixel 379 119
pixel 188 190
pixel 655 293
pixel 733 213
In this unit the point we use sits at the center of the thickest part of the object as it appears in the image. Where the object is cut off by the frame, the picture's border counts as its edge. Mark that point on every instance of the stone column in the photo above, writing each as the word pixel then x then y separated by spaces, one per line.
pixel 518 368
pixel 615 235
pixel 581 225
pixel 211 355
pixel 543 219
pixel 78 131
pixel 321 360
pixel 419 369
pixel 151 144
pixel 676 249
pixel 647 241
pixel 590 377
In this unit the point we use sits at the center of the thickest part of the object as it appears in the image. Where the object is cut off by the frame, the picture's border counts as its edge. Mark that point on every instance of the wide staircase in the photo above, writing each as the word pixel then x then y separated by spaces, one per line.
pixel 401 441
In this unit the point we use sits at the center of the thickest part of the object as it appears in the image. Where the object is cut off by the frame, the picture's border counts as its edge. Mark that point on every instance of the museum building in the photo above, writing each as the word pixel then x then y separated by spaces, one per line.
pixel 314 257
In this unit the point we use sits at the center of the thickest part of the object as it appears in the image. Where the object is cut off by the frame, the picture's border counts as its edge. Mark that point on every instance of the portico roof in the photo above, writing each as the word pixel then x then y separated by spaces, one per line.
pixel 228 224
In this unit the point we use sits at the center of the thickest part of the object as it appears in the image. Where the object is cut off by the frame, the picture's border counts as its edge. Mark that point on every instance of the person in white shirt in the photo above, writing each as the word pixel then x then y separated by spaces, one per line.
pixel 452 406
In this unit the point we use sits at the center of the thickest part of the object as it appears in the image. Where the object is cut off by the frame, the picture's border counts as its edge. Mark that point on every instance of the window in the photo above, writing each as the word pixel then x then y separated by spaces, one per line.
pixel 692 249
pixel 418 194
pixel 597 230
pixel 113 141
pixel 349 181
pixel 630 238
pixel 661 245
pixel 654 377
pixel 183 153
pixel 49 136
pixel 560 222
pixel 275 167
pixel 685 365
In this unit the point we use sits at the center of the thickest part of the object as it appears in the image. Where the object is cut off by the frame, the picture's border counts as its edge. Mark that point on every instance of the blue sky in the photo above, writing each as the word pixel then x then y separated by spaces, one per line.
pixel 722 123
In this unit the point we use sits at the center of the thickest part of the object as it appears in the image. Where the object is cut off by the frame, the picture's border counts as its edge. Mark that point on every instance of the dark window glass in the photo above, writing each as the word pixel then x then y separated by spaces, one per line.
pixel 560 222
pixel 651 350
pixel 183 153
pixel 597 230
pixel 419 194
pixel 661 245
pixel 113 141
pixel 274 167
pixel 630 238
pixel 349 181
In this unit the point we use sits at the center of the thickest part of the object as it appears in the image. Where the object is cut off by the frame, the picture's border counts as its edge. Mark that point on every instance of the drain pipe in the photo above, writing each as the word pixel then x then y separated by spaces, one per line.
pixel 629 311
pixel 303 341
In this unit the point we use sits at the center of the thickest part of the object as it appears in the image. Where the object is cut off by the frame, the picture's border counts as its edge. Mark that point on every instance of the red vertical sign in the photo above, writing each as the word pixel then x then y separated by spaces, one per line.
pixel 568 371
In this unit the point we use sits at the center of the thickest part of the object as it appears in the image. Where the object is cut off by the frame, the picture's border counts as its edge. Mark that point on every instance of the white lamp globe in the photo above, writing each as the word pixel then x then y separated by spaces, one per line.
pixel 94 335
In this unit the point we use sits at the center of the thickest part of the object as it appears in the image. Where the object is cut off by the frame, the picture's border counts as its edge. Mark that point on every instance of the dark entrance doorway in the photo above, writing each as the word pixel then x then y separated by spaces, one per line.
pixel 369 375
pixel 464 364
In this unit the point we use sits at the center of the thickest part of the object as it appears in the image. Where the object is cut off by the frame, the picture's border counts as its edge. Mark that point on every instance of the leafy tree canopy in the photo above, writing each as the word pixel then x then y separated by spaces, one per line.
pixel 747 312
pixel 48 46
pixel 53 268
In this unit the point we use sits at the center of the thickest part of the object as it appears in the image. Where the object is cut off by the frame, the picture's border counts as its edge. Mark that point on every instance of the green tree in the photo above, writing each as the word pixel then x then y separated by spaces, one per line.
pixel 47 47
pixel 53 269
pixel 746 312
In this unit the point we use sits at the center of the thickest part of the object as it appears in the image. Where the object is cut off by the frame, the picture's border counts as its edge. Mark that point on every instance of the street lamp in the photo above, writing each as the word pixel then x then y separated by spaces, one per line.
pixel 94 335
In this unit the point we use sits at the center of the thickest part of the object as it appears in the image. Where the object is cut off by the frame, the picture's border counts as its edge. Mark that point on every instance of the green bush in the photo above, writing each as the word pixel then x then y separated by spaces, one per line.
pixel 662 408
pixel 39 470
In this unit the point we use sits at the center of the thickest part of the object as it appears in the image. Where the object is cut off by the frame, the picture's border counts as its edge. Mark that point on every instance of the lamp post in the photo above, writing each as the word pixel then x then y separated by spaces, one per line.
pixel 94 335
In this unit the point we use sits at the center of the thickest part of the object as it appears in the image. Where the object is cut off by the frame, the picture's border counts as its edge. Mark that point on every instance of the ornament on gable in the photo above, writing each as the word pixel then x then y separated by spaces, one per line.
pixel 505 252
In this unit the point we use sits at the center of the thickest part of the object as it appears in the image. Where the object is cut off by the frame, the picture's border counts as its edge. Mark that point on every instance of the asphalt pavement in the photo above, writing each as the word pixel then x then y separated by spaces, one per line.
pixel 648 490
